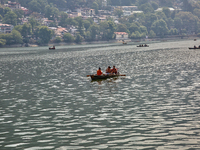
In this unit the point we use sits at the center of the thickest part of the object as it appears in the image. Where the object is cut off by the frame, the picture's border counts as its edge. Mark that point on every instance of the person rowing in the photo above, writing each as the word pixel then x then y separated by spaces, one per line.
pixel 114 70
pixel 108 70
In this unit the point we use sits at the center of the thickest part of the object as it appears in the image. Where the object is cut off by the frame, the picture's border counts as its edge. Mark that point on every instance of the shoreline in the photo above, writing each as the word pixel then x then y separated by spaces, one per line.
pixel 107 42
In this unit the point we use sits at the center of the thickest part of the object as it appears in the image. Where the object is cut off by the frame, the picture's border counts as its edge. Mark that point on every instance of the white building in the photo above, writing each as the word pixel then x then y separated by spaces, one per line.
pixel 121 35
pixel 6 28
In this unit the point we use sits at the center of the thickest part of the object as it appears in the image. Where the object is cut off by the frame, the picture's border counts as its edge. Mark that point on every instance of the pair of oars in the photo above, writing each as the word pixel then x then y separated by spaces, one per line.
pixel 111 74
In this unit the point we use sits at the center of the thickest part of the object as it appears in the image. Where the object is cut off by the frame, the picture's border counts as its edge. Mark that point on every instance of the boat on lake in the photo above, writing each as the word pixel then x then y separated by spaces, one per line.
pixel 143 46
pixel 52 48
pixel 97 77
pixel 194 47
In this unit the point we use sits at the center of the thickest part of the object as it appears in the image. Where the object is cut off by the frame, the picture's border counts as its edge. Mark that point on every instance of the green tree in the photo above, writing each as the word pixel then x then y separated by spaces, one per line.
pixel 165 3
pixel 88 36
pixel 107 28
pixel 86 24
pixel 146 8
pixel 94 30
pixel 51 12
pixel 79 20
pixel 161 15
pixel 141 2
pixel 189 21
pixel 71 21
pixel 19 14
pixel 44 34
pixel 131 18
pixel 37 5
pixel 167 12
pixel 1 10
pixel 6 10
pixel 95 6
pixel 160 27
pixel 17 38
pixel 10 18
pixel 8 38
pixel 154 5
pixel 197 12
pixel 26 30
pixel 134 28
pixel 118 12
pixel 2 42
pixel 152 34
pixel 33 23
pixel 143 29
pixel 18 28
pixel 68 37
pixel 57 39
pixel 149 19
pixel 78 38
pixel 121 28
pixel 63 19
pixel 187 5
pixel 1 17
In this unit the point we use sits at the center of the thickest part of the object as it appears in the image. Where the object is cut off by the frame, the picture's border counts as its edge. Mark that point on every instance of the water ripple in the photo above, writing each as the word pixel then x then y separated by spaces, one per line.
pixel 47 102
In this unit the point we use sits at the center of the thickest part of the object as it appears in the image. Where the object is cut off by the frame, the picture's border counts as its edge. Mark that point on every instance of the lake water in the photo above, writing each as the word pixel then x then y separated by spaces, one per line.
pixel 47 102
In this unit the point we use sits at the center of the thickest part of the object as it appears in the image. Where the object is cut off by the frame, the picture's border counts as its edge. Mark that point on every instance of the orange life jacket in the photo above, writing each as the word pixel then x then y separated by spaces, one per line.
pixel 99 72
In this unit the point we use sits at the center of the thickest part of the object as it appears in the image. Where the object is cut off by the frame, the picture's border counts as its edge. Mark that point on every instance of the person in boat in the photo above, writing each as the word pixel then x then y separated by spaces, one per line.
pixel 114 70
pixel 99 72
pixel 195 46
pixel 145 44
pixel 199 46
pixel 108 70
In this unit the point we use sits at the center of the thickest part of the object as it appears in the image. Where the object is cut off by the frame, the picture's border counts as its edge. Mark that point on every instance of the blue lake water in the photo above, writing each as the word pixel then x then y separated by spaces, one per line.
pixel 47 102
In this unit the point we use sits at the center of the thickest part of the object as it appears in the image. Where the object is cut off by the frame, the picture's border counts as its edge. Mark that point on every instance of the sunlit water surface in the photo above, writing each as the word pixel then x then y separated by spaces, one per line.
pixel 47 102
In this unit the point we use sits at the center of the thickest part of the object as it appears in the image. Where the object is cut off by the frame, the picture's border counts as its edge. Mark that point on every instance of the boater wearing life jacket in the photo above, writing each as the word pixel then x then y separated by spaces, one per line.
pixel 99 72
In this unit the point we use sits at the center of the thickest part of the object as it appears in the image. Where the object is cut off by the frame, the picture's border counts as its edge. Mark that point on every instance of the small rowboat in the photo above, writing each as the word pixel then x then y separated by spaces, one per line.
pixel 52 48
pixel 194 47
pixel 143 46
pixel 97 77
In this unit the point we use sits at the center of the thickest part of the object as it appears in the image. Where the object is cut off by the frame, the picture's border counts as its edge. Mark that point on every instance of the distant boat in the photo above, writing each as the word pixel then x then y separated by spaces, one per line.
pixel 194 47
pixel 123 42
pixel 143 46
pixel 52 48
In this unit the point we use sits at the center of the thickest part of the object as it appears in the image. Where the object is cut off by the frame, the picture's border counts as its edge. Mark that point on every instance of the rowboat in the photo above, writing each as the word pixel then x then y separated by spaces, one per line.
pixel 143 46
pixel 52 48
pixel 194 47
pixel 97 77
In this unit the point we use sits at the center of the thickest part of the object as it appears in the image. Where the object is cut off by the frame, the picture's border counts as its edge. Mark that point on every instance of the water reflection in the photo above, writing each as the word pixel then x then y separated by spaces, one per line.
pixel 48 103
